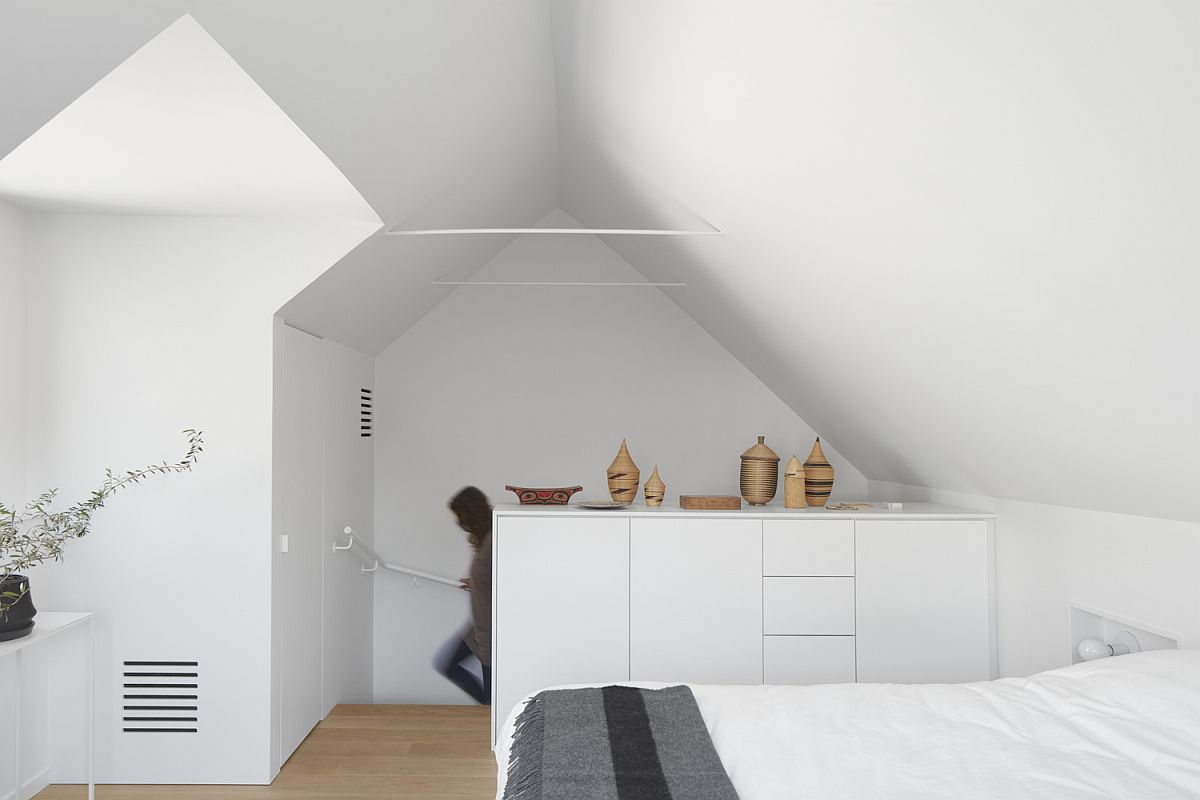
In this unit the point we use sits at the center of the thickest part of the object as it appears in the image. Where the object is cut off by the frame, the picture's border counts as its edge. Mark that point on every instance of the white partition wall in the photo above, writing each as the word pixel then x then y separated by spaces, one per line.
pixel 13 408
pixel 321 601
pixel 298 587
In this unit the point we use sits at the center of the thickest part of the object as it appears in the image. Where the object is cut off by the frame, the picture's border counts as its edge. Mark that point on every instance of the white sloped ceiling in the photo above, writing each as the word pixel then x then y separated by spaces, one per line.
pixel 961 237
pixel 440 114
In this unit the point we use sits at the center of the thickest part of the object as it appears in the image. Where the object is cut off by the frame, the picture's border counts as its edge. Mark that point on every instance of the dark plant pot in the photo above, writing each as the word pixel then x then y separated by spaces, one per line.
pixel 18 620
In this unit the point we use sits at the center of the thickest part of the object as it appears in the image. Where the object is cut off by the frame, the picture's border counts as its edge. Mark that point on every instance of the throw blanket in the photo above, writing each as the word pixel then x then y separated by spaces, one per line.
pixel 614 743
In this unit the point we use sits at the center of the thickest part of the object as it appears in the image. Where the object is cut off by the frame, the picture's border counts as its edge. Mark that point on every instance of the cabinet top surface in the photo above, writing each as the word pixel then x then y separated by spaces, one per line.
pixel 45 625
pixel 773 511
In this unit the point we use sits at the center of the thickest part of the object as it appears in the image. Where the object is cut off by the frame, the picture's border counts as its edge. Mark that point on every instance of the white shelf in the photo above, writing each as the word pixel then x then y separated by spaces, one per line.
pixel 46 624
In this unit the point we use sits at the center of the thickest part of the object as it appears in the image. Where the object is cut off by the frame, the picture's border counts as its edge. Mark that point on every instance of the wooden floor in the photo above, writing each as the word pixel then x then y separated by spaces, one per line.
pixel 365 752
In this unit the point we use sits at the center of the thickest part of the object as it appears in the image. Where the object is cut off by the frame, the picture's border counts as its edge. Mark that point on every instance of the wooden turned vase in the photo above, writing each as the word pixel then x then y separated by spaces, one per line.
pixel 655 490
pixel 760 473
pixel 818 476
pixel 793 485
pixel 623 476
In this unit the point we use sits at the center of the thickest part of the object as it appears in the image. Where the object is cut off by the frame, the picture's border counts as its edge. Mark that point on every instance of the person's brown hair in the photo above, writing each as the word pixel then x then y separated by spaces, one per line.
pixel 474 514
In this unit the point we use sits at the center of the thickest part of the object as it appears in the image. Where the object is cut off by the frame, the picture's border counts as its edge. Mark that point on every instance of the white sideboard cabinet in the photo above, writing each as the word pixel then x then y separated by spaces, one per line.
pixel 763 595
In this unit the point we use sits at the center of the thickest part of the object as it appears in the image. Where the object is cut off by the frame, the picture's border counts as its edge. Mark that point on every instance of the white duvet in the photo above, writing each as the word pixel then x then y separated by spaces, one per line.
pixel 1123 727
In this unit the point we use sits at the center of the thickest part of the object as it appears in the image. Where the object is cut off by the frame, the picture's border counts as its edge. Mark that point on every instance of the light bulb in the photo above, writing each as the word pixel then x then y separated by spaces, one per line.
pixel 1091 649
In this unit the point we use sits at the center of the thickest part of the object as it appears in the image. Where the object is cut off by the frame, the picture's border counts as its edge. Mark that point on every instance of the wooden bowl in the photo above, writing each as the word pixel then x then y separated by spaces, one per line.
pixel 557 496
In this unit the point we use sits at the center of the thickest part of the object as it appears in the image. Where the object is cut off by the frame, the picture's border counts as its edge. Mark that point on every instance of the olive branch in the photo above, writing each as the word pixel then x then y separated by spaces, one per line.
pixel 38 533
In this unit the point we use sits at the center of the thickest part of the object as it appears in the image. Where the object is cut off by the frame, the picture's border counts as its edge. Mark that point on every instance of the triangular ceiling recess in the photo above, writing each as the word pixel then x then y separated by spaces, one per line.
pixel 178 129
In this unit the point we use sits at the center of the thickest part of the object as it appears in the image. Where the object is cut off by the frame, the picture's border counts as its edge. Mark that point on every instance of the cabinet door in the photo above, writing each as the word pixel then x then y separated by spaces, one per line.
pixel 696 600
pixel 922 598
pixel 560 604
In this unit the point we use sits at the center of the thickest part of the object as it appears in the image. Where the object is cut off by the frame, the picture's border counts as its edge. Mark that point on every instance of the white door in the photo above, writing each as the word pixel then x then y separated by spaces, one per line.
pixel 696 600
pixel 560 605
pixel 922 594
pixel 298 589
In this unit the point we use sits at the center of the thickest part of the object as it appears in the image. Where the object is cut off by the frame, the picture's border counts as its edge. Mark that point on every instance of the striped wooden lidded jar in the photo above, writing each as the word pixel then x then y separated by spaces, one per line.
pixel 818 476
pixel 760 473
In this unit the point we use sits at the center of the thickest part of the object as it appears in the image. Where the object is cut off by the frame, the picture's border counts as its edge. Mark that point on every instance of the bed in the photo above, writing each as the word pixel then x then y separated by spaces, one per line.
pixel 1126 727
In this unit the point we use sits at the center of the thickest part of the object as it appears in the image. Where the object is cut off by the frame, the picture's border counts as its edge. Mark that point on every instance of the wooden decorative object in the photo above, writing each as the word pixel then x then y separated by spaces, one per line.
pixel 760 473
pixel 818 476
pixel 559 496
pixel 709 502
pixel 623 476
pixel 655 489
pixel 793 485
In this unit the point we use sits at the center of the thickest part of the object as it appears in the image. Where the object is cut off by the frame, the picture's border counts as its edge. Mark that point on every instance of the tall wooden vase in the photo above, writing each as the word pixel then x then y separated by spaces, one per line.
pixel 760 473
pixel 818 476
pixel 793 485
pixel 623 476
pixel 654 489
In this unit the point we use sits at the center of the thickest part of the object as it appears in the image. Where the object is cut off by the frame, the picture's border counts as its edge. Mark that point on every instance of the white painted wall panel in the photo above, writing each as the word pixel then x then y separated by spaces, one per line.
pixel 13 353
pixel 299 569
pixel 141 327
pixel 349 465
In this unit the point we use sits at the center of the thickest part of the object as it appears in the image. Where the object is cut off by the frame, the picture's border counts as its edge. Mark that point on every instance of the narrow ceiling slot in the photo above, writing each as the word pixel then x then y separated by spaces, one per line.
pixel 160 697
pixel 365 408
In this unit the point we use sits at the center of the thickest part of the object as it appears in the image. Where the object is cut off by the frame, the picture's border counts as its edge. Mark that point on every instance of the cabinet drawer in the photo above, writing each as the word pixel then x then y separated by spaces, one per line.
pixel 808 606
pixel 807 660
pixel 808 547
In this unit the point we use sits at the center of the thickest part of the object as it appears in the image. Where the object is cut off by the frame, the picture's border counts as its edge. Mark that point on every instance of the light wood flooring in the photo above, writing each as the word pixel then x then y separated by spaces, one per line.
pixel 359 753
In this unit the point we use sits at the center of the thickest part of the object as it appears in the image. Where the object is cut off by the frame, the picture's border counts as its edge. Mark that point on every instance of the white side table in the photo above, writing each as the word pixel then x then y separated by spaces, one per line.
pixel 46 625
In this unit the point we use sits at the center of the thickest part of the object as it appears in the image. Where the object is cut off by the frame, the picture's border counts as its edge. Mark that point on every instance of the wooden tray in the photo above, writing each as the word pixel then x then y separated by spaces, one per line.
pixel 709 502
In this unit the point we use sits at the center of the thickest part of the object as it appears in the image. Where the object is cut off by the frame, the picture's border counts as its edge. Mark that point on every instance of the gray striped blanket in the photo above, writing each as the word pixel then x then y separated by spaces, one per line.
pixel 614 743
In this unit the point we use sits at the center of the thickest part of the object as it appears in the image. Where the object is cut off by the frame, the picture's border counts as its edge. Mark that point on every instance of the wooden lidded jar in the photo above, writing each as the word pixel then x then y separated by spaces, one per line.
pixel 655 489
pixel 760 473
pixel 818 476
pixel 793 485
pixel 623 476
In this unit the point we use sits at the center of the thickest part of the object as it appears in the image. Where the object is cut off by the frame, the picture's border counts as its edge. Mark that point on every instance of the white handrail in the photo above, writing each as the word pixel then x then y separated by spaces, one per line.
pixel 379 562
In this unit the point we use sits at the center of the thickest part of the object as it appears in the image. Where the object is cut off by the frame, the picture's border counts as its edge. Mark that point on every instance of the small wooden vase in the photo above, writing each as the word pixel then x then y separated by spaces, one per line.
pixel 655 489
pixel 818 476
pixel 760 473
pixel 623 476
pixel 793 485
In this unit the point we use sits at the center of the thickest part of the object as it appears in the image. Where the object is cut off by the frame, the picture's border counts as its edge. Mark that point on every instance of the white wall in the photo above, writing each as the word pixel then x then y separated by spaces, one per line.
pixel 536 386
pixel 323 483
pixel 349 500
pixel 14 396
pixel 140 327
pixel 1047 557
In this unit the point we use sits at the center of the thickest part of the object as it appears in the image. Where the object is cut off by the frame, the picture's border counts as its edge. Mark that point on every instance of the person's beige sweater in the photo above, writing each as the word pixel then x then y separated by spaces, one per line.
pixel 479 635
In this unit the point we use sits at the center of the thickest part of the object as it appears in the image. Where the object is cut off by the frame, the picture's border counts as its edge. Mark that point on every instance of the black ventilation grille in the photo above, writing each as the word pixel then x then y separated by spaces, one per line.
pixel 365 407
pixel 160 696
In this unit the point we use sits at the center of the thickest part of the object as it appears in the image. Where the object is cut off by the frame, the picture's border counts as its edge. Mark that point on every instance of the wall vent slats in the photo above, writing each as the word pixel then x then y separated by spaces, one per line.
pixel 366 406
pixel 171 704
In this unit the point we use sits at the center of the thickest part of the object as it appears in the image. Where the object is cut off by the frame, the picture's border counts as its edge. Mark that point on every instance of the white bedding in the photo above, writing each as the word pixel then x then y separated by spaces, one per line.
pixel 1126 727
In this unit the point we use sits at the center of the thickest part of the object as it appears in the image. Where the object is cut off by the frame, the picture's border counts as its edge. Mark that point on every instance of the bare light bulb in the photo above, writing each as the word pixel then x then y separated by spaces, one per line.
pixel 1091 649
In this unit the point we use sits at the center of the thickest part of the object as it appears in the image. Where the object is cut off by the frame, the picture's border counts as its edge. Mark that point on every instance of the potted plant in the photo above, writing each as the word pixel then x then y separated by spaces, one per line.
pixel 38 534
